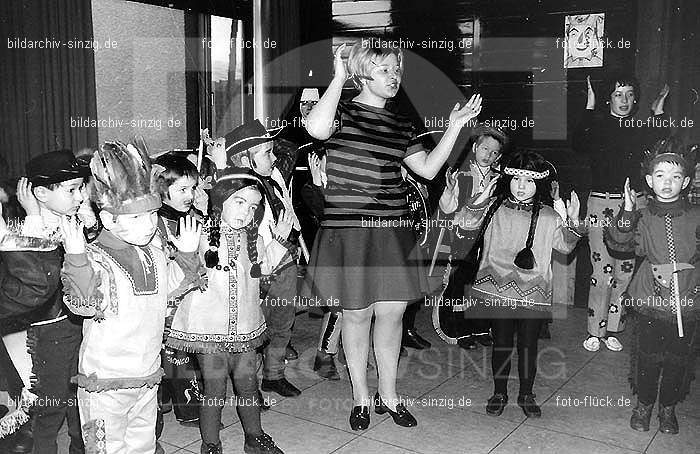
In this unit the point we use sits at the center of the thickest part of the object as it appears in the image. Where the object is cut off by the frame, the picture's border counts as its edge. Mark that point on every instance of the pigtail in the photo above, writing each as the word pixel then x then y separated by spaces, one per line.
pixel 252 237
pixel 211 257
pixel 525 258
pixel 474 257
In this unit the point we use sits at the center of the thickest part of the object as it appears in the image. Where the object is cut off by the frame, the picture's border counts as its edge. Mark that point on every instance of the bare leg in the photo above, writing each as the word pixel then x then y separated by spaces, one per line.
pixel 355 332
pixel 387 343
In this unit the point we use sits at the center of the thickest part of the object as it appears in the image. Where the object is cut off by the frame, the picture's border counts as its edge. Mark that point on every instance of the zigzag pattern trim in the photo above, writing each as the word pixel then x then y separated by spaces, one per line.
pixel 512 285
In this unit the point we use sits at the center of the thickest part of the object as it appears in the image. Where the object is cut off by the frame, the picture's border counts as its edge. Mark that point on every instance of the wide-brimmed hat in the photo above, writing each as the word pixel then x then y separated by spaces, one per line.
pixel 55 167
pixel 247 136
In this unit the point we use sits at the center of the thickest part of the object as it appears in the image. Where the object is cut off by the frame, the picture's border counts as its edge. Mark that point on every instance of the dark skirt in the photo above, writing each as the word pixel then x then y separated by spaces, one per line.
pixel 356 267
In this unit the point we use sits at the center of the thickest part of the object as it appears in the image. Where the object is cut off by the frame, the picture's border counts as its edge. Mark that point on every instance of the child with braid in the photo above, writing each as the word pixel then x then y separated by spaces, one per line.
pixel 513 284
pixel 224 325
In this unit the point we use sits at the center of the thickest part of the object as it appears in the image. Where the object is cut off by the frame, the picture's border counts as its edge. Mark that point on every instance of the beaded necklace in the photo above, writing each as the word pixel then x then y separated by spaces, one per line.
pixel 233 241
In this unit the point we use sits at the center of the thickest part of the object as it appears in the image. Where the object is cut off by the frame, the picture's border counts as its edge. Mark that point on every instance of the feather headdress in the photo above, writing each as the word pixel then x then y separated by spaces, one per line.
pixel 121 182
pixel 670 149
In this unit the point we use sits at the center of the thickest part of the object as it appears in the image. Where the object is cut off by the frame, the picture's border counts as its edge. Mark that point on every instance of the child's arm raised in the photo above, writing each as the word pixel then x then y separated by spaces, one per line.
pixel 184 270
pixel 570 230
pixel 450 196
pixel 427 165
pixel 80 281
pixel 277 250
pixel 320 121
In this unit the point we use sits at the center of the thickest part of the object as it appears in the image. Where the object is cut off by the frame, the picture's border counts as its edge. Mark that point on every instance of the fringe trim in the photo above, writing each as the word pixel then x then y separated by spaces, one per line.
pixel 216 347
pixel 93 384
pixel 11 422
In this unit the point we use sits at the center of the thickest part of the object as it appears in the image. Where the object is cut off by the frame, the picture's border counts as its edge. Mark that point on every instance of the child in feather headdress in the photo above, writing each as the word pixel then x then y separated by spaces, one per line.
pixel 121 283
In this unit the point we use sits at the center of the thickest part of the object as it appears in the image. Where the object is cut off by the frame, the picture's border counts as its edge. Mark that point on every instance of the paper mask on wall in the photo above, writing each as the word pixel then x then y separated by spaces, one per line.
pixel 583 40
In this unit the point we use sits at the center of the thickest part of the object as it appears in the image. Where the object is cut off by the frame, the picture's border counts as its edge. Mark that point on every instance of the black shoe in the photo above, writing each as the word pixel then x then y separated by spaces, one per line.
pixel 412 339
pixel 21 442
pixel 641 415
pixel 290 353
pixel 668 423
pixel 281 387
pixel 261 402
pixel 496 404
pixel 484 339
pixel 210 448
pixel 359 418
pixel 529 406
pixel 260 444
pixel 401 416
pixel 467 343
pixel 166 408
pixel 324 365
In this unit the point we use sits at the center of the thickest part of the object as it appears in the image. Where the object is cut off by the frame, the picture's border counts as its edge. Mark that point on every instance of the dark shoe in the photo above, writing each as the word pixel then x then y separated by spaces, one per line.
pixel 281 387
pixel 210 448
pixel 467 343
pixel 166 408
pixel 325 366
pixel 641 416
pixel 261 402
pixel 668 423
pixel 411 339
pixel 401 416
pixel 529 406
pixel 189 422
pixel 260 444
pixel 496 404
pixel 359 418
pixel 484 339
pixel 22 442
pixel 290 354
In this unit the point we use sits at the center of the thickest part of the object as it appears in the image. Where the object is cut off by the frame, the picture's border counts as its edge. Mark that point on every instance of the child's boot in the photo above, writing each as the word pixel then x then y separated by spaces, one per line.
pixel 210 448
pixel 260 444
pixel 641 415
pixel 668 423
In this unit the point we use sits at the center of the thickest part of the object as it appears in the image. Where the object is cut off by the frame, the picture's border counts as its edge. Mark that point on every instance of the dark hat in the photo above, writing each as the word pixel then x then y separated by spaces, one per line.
pixel 246 136
pixel 55 167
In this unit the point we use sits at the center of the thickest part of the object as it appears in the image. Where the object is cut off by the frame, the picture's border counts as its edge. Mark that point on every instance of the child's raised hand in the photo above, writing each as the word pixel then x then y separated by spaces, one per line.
pixel 555 190
pixel 573 207
pixel 630 196
pixel 316 166
pixel 190 232
pixel 284 225
pixel 72 235
pixel 26 197
pixel 216 152
pixel 452 181
pixel 339 65
pixel 459 117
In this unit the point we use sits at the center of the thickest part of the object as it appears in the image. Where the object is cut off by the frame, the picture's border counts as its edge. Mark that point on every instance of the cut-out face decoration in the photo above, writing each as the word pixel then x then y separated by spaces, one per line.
pixel 583 36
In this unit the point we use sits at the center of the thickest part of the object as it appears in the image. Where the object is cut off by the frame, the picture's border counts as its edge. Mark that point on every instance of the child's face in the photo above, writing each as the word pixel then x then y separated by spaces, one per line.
pixel 487 150
pixel 181 194
pixel 523 188
pixel 263 159
pixel 239 209
pixel 386 77
pixel 622 101
pixel 667 181
pixel 63 200
pixel 137 229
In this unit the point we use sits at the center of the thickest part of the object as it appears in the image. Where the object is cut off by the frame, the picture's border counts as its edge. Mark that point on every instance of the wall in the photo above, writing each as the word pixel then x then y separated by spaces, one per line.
pixel 140 82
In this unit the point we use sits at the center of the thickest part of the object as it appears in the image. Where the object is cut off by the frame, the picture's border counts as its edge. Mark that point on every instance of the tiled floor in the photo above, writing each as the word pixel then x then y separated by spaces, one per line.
pixel 449 387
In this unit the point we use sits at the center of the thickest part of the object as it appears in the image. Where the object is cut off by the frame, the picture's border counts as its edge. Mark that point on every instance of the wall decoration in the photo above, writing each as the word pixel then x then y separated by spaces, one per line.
pixel 583 40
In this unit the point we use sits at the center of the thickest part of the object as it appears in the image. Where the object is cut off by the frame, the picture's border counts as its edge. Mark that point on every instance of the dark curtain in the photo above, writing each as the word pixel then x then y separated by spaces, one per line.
pixel 42 90
pixel 281 63
pixel 668 43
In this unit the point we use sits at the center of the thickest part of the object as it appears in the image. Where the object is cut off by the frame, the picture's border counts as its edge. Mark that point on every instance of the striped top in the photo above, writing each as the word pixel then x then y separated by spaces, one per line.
pixel 364 165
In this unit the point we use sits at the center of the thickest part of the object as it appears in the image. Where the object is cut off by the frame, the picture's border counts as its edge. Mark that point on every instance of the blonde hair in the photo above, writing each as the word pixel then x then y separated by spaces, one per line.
pixel 363 55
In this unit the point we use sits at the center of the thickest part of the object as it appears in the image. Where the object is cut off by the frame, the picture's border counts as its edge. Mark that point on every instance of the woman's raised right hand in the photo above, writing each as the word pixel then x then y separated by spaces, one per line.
pixel 339 68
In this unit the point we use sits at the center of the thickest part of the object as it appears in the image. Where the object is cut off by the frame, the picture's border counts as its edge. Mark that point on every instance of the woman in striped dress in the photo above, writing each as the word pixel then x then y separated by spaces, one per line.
pixel 365 256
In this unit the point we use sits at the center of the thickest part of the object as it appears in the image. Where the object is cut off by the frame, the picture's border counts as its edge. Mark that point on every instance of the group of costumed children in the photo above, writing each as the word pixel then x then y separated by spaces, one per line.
pixel 192 277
